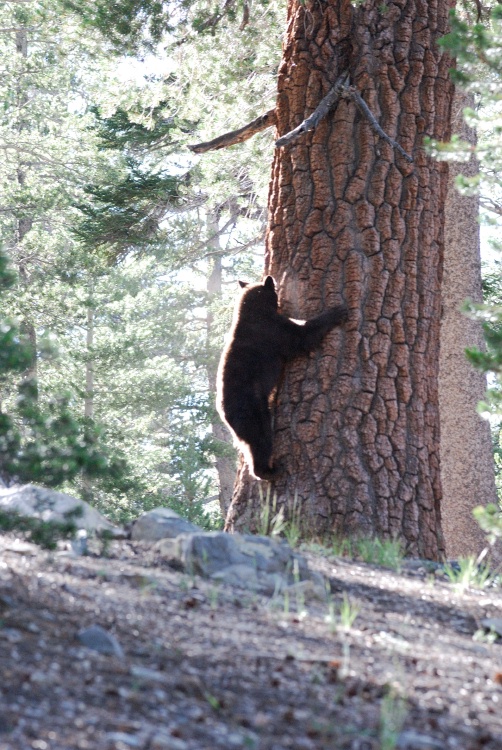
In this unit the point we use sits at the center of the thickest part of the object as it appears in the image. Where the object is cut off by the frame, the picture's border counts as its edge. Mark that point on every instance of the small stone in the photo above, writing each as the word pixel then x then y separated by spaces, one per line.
pixel 412 740
pixel 79 543
pixel 302 715
pixel 262 720
pixel 234 739
pixel 98 639
pixel 11 634
pixel 130 740
pixel 148 675
pixel 22 548
pixel 493 625
pixel 162 741
pixel 41 678
pixel 6 602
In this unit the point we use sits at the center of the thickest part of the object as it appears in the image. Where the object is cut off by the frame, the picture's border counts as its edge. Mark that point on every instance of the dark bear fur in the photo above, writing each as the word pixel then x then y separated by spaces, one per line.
pixel 259 343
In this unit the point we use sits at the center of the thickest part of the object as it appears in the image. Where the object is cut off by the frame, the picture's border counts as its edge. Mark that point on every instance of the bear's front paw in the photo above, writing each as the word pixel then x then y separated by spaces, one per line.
pixel 340 314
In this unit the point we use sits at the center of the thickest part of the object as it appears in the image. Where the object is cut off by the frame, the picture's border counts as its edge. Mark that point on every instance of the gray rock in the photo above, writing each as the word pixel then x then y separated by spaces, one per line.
pixel 21 548
pixel 148 675
pixel 131 740
pixel 206 554
pixel 42 678
pixel 163 741
pixel 98 639
pixel 79 544
pixel 259 563
pixel 161 523
pixel 493 624
pixel 48 505
pixel 243 576
pixel 412 740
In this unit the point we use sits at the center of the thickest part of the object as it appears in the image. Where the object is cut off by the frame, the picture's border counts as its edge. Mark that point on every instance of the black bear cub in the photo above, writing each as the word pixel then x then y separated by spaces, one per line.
pixel 259 343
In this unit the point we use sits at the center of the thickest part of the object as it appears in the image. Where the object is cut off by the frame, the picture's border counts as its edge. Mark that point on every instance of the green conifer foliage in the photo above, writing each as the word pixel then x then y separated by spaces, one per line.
pixel 45 444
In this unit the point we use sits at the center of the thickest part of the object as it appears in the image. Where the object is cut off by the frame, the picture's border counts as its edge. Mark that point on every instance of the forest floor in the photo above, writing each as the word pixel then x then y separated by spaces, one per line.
pixel 208 668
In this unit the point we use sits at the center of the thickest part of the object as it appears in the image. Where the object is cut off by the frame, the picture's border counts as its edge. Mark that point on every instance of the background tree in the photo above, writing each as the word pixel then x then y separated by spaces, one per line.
pixel 477 47
pixel 42 439
pixel 138 327
pixel 467 469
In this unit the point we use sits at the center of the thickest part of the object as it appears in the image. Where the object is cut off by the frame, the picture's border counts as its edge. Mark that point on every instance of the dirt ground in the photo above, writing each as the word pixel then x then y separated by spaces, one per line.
pixel 207 667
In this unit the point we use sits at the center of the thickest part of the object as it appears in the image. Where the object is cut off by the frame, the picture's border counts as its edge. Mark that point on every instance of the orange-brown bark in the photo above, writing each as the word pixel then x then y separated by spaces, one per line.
pixel 357 424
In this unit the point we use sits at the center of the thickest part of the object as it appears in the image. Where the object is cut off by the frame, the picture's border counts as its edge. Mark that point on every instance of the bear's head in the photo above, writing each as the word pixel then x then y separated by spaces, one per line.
pixel 260 296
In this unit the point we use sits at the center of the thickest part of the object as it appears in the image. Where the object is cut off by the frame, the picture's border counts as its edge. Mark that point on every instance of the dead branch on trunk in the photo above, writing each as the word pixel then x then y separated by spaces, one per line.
pixel 341 90
pixel 318 114
pixel 366 111
pixel 236 136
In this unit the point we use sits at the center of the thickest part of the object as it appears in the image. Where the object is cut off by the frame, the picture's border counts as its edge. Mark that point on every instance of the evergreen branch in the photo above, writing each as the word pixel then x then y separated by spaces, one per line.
pixel 213 21
pixel 318 114
pixel 236 136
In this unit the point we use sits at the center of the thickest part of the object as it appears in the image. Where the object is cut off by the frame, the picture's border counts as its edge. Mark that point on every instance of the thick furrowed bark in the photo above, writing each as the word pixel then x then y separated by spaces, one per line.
pixel 357 423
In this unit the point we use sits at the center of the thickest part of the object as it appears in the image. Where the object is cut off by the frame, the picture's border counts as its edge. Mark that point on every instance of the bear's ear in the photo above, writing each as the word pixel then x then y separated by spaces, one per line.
pixel 243 284
pixel 269 283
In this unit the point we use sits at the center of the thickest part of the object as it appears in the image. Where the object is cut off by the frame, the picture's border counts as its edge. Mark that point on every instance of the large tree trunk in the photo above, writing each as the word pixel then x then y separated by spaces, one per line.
pixel 467 468
pixel 357 423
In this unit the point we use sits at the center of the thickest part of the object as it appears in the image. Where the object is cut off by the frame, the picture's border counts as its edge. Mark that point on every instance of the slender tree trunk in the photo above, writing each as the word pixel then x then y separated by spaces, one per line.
pixel 357 423
pixel 89 365
pixel 87 482
pixel 24 224
pixel 225 463
pixel 28 330
pixel 467 467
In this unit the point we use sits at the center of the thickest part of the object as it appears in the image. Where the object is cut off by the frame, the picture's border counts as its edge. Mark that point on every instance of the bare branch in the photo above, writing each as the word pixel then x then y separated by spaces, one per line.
pixel 340 90
pixel 491 205
pixel 245 16
pixel 366 111
pixel 213 20
pixel 318 114
pixel 237 136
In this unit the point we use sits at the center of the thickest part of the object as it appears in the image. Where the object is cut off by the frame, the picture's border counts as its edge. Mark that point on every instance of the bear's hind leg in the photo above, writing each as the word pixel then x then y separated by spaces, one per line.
pixel 261 449
pixel 253 429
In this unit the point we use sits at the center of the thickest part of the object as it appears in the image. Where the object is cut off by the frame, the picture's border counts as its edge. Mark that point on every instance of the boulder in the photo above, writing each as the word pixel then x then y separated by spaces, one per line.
pixel 161 523
pixel 49 505
pixel 254 562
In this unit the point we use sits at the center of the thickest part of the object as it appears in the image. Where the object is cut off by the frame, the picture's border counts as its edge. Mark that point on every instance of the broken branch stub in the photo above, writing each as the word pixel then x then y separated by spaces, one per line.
pixel 236 136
